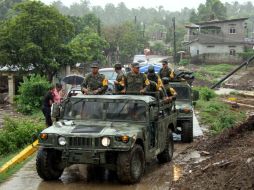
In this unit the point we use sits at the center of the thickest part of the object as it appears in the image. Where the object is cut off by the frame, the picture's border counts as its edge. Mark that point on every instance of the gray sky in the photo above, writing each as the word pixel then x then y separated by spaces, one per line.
pixel 171 5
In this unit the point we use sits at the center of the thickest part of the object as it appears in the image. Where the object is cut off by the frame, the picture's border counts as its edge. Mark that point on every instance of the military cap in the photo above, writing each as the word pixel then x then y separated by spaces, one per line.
pixel 95 65
pixel 165 80
pixel 135 64
pixel 151 69
pixel 117 66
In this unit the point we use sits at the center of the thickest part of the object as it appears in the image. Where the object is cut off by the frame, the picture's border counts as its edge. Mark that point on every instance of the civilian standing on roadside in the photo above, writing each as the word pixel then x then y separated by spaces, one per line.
pixel 56 93
pixel 46 106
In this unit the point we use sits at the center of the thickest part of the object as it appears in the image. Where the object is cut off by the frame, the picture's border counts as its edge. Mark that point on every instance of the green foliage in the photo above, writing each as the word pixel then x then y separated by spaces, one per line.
pixel 36 36
pixel 206 93
pixel 31 93
pixel 5 6
pixel 88 46
pixel 212 9
pixel 218 115
pixel 184 62
pixel 17 133
pixel 248 53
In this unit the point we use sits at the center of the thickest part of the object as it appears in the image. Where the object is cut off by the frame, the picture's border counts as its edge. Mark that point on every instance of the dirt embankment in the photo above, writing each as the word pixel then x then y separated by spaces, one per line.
pixel 226 162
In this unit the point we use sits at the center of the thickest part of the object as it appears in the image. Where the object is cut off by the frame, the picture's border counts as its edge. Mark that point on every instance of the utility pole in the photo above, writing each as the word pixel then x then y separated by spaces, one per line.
pixel 174 38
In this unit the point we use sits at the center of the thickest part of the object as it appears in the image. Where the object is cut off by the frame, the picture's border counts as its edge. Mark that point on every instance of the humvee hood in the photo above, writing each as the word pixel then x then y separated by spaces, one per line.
pixel 87 128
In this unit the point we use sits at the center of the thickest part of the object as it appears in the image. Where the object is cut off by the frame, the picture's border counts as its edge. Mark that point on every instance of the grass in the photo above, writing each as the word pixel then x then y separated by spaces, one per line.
pixel 14 169
pixel 218 115
pixel 212 73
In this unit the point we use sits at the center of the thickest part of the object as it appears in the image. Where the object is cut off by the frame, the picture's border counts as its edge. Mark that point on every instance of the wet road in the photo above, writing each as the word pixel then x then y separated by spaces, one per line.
pixel 157 177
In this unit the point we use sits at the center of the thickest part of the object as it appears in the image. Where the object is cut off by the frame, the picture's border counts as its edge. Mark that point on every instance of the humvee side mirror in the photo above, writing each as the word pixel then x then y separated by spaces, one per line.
pixel 195 95
pixel 55 110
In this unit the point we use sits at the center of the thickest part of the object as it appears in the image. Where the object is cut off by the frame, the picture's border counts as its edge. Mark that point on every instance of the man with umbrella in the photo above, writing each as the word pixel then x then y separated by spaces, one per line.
pixel 94 82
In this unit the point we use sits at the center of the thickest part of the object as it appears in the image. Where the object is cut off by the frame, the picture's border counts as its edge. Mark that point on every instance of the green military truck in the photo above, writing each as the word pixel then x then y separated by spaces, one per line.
pixel 184 105
pixel 120 133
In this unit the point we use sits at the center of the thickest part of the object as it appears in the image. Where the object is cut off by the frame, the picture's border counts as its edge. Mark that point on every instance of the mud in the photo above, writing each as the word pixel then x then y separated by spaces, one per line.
pixel 228 161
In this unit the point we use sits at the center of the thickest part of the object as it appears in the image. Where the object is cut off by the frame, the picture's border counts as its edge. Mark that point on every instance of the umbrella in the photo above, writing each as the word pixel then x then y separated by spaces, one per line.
pixel 145 68
pixel 73 79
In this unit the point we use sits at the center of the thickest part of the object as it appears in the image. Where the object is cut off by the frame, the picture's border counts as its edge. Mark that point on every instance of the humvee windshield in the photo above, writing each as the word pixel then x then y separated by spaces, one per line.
pixel 183 93
pixel 110 110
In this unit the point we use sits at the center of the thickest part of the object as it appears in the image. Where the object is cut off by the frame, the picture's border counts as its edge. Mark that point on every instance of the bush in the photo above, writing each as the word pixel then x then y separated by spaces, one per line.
pixel 205 93
pixel 31 93
pixel 17 133
pixel 184 62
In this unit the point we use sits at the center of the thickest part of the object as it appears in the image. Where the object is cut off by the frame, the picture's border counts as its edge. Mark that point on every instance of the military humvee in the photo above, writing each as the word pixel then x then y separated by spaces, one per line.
pixel 184 105
pixel 118 132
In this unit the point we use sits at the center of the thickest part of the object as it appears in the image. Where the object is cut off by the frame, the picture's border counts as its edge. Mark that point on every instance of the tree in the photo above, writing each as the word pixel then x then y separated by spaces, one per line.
pixel 88 46
pixel 36 38
pixel 212 9
pixel 5 6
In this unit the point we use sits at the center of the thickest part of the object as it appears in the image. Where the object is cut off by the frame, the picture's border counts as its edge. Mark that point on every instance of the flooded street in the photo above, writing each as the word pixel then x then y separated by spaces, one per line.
pixel 157 177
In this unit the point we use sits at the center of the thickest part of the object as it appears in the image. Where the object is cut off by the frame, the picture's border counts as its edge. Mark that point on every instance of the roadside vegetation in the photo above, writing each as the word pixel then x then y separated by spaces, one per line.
pixel 211 73
pixel 215 113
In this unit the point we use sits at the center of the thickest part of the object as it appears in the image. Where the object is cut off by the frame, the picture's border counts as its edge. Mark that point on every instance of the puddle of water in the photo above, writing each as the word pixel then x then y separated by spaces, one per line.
pixel 177 172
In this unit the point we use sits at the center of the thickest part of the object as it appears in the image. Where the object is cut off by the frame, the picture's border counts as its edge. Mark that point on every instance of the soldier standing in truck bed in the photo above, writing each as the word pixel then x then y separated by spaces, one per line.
pixel 94 82
pixel 135 81
pixel 165 71
pixel 171 93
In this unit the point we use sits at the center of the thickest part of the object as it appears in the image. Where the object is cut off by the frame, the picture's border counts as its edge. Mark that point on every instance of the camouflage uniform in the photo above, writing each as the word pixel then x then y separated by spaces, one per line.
pixel 167 72
pixel 121 82
pixel 136 82
pixel 155 78
pixel 95 82
pixel 169 90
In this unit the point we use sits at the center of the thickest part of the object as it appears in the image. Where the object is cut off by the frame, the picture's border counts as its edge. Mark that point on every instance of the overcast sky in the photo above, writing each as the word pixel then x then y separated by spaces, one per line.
pixel 171 5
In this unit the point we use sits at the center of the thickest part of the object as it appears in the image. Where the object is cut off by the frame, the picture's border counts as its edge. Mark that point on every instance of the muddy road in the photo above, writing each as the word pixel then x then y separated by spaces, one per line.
pixel 157 177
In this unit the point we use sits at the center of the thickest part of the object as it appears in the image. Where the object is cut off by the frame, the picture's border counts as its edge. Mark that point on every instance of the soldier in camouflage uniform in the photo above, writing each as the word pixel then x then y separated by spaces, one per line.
pixel 165 71
pixel 136 81
pixel 94 82
pixel 171 93
pixel 152 76
pixel 120 79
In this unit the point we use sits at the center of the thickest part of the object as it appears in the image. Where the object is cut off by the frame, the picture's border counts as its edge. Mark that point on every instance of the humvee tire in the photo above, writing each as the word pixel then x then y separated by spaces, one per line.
pixel 46 164
pixel 131 165
pixel 187 132
pixel 167 154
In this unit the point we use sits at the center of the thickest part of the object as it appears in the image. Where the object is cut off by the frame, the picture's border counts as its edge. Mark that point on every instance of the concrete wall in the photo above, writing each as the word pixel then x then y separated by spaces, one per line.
pixel 216 58
pixel 214 48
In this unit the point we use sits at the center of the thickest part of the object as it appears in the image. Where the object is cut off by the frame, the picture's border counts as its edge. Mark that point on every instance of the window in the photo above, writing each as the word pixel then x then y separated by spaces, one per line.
pixel 232 31
pixel 210 46
pixel 232 52
pixel 197 52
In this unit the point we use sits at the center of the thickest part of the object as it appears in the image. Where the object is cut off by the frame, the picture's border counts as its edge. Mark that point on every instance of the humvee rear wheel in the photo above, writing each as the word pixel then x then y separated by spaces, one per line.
pixel 167 154
pixel 131 165
pixel 48 164
pixel 187 132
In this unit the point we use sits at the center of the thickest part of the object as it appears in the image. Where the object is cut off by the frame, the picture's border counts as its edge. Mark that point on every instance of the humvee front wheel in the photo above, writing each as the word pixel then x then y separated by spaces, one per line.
pixel 167 154
pixel 187 132
pixel 131 165
pixel 48 164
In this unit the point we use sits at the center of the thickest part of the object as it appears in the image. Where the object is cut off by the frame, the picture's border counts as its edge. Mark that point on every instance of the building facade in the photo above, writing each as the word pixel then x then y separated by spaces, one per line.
pixel 220 41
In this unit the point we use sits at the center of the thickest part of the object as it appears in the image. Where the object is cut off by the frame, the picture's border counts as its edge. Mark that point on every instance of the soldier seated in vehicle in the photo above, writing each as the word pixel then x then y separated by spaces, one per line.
pixel 165 71
pixel 170 92
pixel 94 82
pixel 135 81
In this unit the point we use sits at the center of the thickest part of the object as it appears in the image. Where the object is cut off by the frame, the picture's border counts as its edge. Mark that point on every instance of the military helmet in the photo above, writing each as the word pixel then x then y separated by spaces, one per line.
pixel 151 69
pixel 135 64
pixel 95 65
pixel 165 80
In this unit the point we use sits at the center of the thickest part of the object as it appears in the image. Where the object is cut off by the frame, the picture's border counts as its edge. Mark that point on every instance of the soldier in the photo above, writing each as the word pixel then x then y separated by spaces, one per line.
pixel 136 81
pixel 165 71
pixel 94 82
pixel 152 76
pixel 120 79
pixel 171 93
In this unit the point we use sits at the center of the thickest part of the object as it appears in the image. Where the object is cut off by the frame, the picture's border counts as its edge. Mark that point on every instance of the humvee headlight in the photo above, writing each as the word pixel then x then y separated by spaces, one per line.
pixel 105 141
pixel 62 141
pixel 125 139
pixel 44 136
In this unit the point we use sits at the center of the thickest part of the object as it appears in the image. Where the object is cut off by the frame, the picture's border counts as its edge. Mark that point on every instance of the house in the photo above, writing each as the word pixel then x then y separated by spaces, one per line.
pixel 217 41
